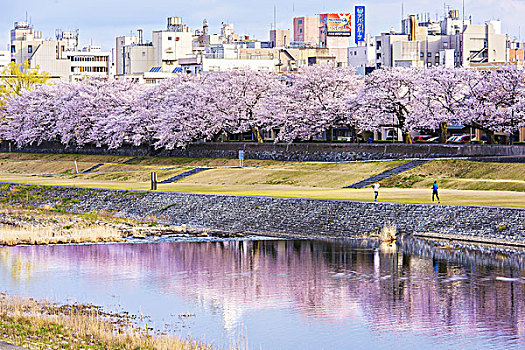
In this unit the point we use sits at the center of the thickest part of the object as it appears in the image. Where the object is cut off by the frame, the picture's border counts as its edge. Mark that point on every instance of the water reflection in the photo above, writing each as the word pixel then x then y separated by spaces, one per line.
pixel 291 294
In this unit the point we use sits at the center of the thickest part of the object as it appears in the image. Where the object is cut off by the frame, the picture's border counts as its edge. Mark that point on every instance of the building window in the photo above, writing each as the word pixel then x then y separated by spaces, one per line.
pixel 421 54
pixel 445 45
pixel 378 45
pixel 29 48
pixel 300 21
pixel 300 30
pixel 170 38
pixel 13 49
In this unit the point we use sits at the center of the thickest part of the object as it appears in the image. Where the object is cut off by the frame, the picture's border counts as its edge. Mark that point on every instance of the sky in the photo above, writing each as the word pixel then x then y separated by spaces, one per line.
pixel 101 21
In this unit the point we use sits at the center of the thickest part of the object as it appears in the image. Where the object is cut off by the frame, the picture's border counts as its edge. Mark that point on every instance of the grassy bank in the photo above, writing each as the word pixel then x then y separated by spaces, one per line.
pixel 461 182
pixel 43 325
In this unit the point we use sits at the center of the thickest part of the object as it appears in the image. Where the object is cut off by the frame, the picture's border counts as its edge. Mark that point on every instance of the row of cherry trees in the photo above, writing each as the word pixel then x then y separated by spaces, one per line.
pixel 189 108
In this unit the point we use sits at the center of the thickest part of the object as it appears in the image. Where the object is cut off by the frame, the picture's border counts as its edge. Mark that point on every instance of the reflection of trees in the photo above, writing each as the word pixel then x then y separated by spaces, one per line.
pixel 17 269
pixel 393 289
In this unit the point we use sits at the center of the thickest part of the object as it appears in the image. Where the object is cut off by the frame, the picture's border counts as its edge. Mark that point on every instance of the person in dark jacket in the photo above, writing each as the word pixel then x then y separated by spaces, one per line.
pixel 435 194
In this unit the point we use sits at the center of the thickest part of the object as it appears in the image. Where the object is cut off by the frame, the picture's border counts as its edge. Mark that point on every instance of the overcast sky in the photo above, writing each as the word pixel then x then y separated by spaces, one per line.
pixel 102 20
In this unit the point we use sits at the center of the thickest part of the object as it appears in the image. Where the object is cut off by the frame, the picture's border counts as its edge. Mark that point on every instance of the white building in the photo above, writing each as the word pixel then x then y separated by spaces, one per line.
pixel 452 42
pixel 61 57
pixel 5 59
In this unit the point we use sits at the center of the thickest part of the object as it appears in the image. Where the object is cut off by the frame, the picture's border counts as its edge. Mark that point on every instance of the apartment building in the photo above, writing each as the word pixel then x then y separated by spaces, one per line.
pixel 451 42
pixel 280 37
pixel 59 57
pixel 5 59
pixel 306 30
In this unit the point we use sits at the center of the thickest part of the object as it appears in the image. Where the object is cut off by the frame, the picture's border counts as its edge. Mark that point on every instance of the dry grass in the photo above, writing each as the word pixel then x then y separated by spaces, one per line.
pixel 42 236
pixel 314 175
pixel 388 233
pixel 34 324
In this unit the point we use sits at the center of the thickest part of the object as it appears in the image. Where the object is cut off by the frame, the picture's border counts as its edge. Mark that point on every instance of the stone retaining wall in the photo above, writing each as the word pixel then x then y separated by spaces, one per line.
pixel 280 216
pixel 323 152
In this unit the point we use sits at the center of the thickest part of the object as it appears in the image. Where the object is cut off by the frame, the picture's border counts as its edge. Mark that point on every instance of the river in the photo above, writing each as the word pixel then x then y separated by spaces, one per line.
pixel 291 294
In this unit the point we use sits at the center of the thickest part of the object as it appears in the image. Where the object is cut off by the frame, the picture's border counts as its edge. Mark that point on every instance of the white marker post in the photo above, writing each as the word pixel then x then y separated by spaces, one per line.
pixel 241 158
pixel 76 167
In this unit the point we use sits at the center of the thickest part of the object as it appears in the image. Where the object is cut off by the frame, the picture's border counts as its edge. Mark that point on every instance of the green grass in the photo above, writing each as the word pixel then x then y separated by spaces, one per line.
pixel 463 175
pixel 461 181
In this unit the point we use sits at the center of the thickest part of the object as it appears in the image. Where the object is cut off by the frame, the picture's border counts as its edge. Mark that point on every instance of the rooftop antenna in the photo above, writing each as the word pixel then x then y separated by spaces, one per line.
pixel 26 16
pixel 274 17
pixel 402 11
pixel 463 29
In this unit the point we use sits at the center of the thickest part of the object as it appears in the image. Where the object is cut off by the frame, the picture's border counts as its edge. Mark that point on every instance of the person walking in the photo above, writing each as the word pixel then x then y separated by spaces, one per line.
pixel 376 190
pixel 435 188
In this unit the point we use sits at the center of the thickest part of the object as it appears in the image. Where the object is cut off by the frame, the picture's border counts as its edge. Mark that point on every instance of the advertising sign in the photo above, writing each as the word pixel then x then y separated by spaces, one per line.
pixel 359 24
pixel 337 24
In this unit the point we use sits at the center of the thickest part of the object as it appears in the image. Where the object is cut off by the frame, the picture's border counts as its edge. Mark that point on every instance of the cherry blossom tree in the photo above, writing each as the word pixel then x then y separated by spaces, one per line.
pixel 440 98
pixel 495 101
pixel 86 109
pixel 236 99
pixel 31 117
pixel 313 101
pixel 387 99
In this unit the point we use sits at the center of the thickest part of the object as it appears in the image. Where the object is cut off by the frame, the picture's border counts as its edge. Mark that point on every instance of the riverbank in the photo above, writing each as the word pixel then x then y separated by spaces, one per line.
pixel 274 216
pixel 28 225
pixel 36 324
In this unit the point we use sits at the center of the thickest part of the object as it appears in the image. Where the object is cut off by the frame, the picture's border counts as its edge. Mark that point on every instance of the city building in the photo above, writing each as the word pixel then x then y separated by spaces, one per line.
pixel 60 57
pixel 280 37
pixel 451 42
pixel 306 30
pixel 5 59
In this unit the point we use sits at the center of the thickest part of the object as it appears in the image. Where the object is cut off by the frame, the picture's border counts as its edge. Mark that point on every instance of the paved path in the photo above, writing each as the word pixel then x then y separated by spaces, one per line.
pixel 183 175
pixel 389 173
pixel 7 346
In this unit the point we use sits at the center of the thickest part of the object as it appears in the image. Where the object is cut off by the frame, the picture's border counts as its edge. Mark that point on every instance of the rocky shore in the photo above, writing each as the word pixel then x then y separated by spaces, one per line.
pixel 282 217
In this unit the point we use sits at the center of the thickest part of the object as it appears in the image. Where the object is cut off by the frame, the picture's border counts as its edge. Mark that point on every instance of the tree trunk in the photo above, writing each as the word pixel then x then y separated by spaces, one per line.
pixel 257 133
pixel 330 134
pixel 491 139
pixel 443 132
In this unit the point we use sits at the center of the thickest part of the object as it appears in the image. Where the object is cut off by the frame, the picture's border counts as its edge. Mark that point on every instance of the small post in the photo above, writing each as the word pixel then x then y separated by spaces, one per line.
pixel 153 181
pixel 241 158
pixel 76 166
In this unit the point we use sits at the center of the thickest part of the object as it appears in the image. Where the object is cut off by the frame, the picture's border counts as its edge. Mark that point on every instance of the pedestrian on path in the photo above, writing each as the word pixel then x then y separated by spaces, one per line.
pixel 435 188
pixel 376 190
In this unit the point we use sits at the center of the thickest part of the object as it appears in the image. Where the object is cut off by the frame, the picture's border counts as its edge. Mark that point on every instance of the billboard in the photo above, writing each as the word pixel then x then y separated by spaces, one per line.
pixel 337 24
pixel 359 24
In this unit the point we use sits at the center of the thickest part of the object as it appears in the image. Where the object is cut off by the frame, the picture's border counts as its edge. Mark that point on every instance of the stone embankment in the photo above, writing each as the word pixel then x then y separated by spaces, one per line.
pixel 317 152
pixel 279 216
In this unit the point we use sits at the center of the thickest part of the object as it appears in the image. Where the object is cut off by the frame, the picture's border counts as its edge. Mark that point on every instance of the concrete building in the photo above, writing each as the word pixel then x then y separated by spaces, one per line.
pixel 171 44
pixel 452 42
pixel 280 37
pixel 90 61
pixel 5 59
pixel 363 56
pixel 60 57
pixel 306 30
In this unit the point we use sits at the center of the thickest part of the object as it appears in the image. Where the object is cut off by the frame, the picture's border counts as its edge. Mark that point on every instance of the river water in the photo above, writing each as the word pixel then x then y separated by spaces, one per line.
pixel 295 294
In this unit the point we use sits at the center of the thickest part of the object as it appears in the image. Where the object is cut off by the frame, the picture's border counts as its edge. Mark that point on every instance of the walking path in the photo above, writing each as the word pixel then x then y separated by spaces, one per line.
pixel 183 175
pixel 389 173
